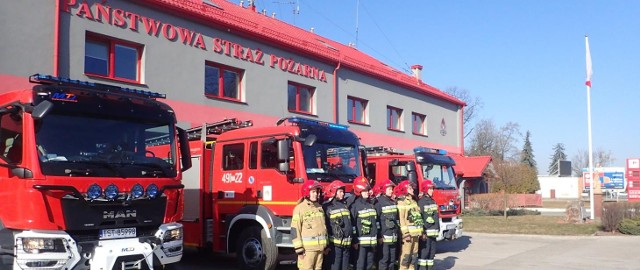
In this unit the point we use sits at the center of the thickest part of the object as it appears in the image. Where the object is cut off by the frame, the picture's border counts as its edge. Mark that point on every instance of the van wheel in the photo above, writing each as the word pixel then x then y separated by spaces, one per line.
pixel 254 251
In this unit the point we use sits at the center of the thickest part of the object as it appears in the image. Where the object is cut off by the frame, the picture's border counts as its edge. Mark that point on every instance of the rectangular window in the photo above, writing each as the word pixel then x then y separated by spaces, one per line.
pixel 419 123
pixel 233 157
pixel 357 110
pixel 112 58
pixel 300 98
pixel 269 157
pixel 222 81
pixel 253 155
pixel 394 118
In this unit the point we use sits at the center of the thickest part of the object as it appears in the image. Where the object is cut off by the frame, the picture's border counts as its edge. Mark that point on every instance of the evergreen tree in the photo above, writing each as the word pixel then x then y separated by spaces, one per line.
pixel 526 156
pixel 558 154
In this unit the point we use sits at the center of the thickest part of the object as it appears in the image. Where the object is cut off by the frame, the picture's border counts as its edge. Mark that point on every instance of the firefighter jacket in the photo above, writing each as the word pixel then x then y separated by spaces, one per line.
pixel 308 227
pixel 338 221
pixel 411 222
pixel 364 215
pixel 430 215
pixel 387 219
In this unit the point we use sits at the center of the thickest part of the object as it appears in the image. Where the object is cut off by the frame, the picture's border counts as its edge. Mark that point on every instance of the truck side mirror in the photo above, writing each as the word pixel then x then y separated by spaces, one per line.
pixel 363 159
pixel 41 110
pixel 310 140
pixel 283 150
pixel 411 166
pixel 185 151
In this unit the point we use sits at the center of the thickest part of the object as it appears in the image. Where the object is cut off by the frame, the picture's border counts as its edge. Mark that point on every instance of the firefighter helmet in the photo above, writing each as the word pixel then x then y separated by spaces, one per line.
pixel 402 188
pixel 382 187
pixel 333 189
pixel 360 184
pixel 308 186
pixel 426 185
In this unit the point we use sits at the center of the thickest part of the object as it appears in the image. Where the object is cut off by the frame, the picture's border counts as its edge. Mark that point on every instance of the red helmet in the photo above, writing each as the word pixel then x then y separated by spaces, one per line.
pixel 426 185
pixel 402 188
pixel 333 189
pixel 308 186
pixel 360 184
pixel 382 187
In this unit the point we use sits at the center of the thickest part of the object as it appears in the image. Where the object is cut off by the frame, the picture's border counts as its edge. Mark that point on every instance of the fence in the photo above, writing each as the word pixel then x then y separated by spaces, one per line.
pixel 494 201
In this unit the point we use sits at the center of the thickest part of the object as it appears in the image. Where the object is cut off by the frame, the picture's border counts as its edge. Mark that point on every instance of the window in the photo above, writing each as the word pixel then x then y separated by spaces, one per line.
pixel 253 155
pixel 222 81
pixel 300 98
pixel 111 58
pixel 394 118
pixel 11 138
pixel 233 156
pixel 357 110
pixel 269 158
pixel 419 122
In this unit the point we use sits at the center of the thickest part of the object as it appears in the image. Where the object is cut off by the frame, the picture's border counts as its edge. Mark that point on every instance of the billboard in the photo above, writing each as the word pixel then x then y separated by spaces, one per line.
pixel 611 178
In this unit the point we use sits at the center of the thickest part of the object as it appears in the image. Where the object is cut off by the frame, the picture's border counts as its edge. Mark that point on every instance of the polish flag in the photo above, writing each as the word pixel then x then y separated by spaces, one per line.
pixel 589 70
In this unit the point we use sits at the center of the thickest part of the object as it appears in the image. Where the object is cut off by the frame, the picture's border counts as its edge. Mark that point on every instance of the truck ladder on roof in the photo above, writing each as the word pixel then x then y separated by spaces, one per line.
pixel 382 151
pixel 196 133
pixel 217 128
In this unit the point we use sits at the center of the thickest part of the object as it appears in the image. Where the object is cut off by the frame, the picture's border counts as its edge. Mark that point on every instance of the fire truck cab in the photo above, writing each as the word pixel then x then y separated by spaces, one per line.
pixel 246 181
pixel 425 163
pixel 85 181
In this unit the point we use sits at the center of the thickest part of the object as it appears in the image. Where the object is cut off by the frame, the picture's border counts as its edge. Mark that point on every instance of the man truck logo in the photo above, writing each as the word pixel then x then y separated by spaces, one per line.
pixel 64 97
pixel 119 214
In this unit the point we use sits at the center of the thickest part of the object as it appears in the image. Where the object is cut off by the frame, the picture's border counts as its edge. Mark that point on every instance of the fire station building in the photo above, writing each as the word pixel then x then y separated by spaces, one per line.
pixel 215 59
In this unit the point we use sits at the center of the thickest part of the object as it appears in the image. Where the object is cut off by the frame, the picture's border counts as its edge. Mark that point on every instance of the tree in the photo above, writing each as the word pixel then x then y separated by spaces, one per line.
pixel 530 182
pixel 600 158
pixel 513 177
pixel 558 154
pixel 497 143
pixel 474 104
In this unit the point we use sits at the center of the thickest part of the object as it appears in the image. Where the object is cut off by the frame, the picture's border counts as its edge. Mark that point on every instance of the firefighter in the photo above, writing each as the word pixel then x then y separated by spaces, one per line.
pixel 387 211
pixel 411 224
pixel 431 225
pixel 338 222
pixel 363 214
pixel 308 227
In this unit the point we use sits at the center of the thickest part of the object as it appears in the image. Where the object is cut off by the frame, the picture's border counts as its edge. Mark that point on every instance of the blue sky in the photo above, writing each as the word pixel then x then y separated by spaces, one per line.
pixel 524 59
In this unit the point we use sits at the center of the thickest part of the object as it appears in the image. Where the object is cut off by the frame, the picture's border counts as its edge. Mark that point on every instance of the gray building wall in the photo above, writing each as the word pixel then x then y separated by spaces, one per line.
pixel 177 69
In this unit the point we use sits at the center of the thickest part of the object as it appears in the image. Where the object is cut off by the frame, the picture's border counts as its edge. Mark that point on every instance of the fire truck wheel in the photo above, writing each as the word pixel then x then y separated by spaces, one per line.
pixel 255 251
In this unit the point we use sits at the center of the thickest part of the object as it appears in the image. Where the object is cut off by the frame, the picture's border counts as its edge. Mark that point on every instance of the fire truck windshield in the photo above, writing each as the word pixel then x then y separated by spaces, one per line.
pixel 441 175
pixel 329 161
pixel 99 143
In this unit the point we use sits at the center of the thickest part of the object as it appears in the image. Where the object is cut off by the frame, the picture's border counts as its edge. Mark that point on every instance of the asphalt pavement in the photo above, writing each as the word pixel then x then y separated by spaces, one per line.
pixel 495 251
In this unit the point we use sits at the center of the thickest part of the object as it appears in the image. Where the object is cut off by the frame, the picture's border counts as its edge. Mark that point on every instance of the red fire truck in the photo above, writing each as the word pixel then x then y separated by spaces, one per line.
pixel 240 196
pixel 433 164
pixel 90 178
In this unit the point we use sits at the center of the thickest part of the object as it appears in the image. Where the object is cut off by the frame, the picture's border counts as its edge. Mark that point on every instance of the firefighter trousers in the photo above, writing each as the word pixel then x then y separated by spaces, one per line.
pixel 427 253
pixel 338 258
pixel 388 256
pixel 312 260
pixel 409 253
pixel 365 257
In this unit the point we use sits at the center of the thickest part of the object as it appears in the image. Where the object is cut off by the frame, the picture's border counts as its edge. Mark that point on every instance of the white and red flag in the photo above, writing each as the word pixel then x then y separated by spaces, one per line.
pixel 589 70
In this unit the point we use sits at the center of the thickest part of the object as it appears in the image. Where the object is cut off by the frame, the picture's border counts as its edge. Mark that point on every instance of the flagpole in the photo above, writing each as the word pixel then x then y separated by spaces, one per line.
pixel 588 83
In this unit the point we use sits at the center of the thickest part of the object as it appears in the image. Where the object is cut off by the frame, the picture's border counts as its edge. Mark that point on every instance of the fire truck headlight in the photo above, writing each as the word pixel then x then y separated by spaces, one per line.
pixel 40 245
pixel 443 207
pixel 137 191
pixel 172 235
pixel 94 192
pixel 111 192
pixel 152 191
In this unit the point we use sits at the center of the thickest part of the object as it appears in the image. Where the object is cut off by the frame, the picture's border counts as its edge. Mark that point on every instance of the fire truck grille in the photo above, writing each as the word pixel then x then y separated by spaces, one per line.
pixel 91 236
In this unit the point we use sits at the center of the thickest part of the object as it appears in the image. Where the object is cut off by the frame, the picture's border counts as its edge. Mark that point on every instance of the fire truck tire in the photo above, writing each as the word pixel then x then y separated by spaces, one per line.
pixel 255 251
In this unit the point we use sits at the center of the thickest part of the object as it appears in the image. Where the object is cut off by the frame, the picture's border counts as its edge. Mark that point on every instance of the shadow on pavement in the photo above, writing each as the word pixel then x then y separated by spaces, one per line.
pixel 446 263
pixel 457 245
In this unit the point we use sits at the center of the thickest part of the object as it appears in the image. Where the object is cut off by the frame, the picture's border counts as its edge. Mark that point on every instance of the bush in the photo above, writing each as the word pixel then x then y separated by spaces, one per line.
pixel 630 226
pixel 612 215
pixel 510 212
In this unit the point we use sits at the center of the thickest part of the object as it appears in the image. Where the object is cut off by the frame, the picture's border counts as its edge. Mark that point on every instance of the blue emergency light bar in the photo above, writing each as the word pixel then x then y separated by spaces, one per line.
pixel 298 120
pixel 48 79
pixel 422 149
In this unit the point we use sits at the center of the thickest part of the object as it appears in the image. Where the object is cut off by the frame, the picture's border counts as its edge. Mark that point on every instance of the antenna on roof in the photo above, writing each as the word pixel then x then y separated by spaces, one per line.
pixel 296 8
pixel 357 20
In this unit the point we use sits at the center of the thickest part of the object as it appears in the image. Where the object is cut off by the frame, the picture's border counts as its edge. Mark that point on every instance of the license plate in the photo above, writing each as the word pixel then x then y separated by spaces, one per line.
pixel 117 233
pixel 451 226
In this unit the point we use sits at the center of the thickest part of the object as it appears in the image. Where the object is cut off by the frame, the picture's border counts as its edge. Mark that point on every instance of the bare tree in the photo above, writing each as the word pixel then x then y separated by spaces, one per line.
pixel 474 104
pixel 513 177
pixel 498 143
pixel 601 158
